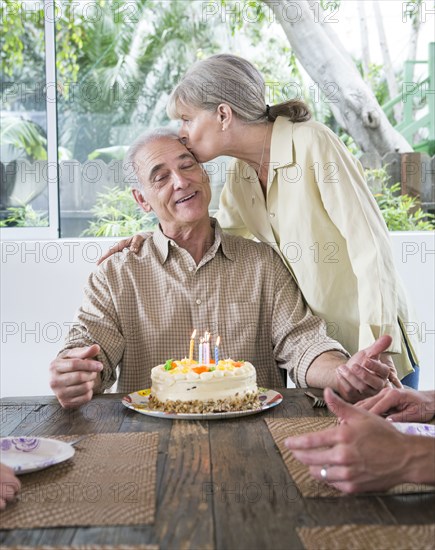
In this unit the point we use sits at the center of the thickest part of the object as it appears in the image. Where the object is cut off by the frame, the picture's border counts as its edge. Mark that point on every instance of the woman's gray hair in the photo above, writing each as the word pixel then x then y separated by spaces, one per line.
pixel 131 166
pixel 226 78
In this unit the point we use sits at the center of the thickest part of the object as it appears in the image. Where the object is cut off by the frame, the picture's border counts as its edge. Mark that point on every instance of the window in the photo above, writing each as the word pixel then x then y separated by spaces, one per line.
pixel 28 203
pixel 81 80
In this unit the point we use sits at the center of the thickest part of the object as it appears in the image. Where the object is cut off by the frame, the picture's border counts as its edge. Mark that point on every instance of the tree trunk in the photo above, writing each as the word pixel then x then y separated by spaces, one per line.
pixel 364 36
pixel 352 102
pixel 415 30
pixel 388 66
pixel 413 39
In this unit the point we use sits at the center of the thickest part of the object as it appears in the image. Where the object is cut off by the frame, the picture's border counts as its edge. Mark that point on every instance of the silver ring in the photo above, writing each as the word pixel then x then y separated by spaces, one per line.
pixel 324 473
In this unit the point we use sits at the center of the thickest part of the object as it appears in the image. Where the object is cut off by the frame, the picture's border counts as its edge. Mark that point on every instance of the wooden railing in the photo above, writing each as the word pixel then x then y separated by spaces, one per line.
pixel 416 95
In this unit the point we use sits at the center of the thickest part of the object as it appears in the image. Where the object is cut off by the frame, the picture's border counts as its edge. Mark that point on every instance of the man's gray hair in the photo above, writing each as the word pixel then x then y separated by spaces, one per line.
pixel 131 166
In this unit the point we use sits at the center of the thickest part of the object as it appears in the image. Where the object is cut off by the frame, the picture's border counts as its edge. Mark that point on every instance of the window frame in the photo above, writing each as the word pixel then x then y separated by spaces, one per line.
pixel 52 231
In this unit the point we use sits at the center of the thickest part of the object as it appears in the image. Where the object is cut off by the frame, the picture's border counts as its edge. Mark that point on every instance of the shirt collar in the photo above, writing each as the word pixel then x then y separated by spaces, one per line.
pixel 225 241
pixel 281 146
pixel 163 243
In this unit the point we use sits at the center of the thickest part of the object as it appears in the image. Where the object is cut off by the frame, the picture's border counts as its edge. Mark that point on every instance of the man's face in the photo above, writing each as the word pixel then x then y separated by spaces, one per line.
pixel 174 185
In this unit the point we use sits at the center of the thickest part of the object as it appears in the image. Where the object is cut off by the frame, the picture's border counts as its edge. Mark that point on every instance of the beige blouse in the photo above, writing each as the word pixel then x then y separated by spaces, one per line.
pixel 322 219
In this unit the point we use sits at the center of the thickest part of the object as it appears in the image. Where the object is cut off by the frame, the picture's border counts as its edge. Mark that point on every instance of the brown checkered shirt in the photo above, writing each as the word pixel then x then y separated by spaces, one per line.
pixel 141 309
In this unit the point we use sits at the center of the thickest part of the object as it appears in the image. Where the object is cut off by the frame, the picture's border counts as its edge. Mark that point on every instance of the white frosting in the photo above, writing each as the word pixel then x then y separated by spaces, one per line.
pixel 184 384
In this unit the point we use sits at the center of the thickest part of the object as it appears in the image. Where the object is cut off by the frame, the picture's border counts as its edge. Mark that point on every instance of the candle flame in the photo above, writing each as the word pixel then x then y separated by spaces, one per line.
pixel 193 335
pixel 218 340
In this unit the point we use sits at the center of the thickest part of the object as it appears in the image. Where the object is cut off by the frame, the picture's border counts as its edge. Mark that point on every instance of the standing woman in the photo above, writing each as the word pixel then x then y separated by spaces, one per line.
pixel 293 184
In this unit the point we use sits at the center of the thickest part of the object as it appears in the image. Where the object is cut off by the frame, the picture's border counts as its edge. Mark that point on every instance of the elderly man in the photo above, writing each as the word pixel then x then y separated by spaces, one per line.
pixel 139 310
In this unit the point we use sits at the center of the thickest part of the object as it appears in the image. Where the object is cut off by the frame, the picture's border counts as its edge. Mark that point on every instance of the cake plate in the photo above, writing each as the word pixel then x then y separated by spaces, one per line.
pixel 139 401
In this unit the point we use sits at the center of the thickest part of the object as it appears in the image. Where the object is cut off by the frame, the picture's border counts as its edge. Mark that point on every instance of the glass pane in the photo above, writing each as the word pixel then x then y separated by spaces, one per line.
pixel 117 62
pixel 24 169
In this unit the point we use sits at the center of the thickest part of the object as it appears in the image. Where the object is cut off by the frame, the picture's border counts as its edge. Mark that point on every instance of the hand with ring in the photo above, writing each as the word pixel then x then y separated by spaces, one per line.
pixel 324 473
pixel 364 452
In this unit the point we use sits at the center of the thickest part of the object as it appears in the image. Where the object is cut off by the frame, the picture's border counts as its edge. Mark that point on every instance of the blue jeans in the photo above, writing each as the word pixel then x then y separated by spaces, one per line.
pixel 411 380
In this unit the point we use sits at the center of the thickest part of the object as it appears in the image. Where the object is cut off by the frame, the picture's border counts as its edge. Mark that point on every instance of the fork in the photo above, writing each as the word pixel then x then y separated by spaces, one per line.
pixel 75 441
pixel 317 401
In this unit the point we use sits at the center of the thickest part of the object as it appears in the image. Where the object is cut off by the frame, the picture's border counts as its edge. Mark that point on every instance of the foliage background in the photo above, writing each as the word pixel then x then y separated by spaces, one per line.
pixel 116 64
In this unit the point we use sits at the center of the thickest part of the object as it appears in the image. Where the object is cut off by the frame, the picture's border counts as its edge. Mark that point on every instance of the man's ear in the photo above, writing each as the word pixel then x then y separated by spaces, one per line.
pixel 141 201
pixel 225 115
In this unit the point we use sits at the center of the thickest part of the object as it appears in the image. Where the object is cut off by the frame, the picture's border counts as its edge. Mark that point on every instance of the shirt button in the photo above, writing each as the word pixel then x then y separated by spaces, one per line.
pixel 272 214
pixel 172 243
pixel 191 269
pixel 198 302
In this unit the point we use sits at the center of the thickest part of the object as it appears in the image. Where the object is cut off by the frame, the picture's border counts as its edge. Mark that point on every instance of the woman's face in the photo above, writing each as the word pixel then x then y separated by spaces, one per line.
pixel 201 132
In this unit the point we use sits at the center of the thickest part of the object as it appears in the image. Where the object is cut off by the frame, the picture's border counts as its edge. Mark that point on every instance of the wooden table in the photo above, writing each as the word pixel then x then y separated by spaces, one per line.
pixel 220 484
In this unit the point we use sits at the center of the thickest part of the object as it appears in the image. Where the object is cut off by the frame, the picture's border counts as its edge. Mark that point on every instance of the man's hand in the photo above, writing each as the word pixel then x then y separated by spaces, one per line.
pixel 133 243
pixel 364 374
pixel 75 376
pixel 9 485
pixel 364 453
pixel 393 376
pixel 401 405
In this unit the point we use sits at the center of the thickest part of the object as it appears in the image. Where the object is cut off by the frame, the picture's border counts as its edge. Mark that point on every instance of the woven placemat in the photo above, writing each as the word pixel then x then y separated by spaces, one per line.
pixel 111 480
pixel 307 485
pixel 87 547
pixel 363 537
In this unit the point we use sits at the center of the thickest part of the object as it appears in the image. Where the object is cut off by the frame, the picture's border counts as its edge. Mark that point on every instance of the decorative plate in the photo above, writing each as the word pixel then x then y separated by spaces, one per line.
pixel 138 401
pixel 415 428
pixel 28 454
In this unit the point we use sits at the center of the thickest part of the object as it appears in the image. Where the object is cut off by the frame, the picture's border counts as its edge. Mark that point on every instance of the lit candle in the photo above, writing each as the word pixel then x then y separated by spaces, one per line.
pixel 201 345
pixel 216 350
pixel 207 348
pixel 192 345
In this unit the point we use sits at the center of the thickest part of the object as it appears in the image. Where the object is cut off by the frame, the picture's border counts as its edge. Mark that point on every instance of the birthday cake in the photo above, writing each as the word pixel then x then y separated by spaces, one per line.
pixel 188 386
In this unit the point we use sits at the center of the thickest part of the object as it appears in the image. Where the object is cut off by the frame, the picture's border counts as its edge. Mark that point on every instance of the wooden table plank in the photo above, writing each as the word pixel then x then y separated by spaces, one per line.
pixel 184 520
pixel 411 509
pixel 251 489
pixel 12 414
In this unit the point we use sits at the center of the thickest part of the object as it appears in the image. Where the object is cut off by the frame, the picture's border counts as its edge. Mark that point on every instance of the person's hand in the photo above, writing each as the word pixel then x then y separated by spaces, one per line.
pixel 9 485
pixel 75 375
pixel 401 405
pixel 393 376
pixel 364 453
pixel 364 374
pixel 133 243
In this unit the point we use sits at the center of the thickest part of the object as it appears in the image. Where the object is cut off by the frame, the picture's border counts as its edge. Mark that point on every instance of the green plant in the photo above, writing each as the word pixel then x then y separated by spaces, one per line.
pixel 117 215
pixel 350 143
pixel 377 177
pixel 401 212
pixel 378 82
pixel 24 216
pixel 116 152
pixel 24 135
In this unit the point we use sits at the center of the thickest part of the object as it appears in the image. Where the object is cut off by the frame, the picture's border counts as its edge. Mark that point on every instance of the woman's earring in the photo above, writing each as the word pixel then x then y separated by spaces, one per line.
pixel 223 129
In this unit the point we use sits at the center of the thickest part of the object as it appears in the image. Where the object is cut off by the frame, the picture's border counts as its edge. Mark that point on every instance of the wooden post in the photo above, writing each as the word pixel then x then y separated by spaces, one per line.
pixel 411 174
pixel 392 163
pixel 427 183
